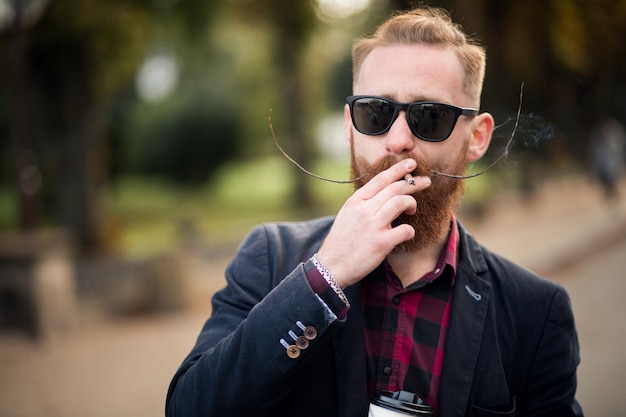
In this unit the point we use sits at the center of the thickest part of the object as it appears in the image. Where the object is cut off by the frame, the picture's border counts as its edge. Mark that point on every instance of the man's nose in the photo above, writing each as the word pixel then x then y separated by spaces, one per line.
pixel 399 139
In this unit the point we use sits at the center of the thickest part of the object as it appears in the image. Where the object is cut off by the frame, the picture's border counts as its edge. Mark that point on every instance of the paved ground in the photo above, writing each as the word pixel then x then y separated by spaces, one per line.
pixel 122 368
pixel 597 287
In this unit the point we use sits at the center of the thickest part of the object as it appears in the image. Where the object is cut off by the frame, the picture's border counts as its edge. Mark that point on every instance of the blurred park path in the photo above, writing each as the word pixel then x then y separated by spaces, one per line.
pixel 122 367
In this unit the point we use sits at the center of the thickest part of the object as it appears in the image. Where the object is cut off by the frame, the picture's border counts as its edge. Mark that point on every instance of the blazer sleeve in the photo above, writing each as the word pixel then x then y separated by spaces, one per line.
pixel 552 382
pixel 239 366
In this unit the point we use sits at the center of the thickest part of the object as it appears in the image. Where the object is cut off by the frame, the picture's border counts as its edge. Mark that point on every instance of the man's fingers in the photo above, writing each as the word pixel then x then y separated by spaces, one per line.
pixel 386 177
pixel 395 206
pixel 401 233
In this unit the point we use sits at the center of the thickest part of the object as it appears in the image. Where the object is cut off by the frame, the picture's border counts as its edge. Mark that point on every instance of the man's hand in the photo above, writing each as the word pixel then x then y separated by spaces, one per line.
pixel 362 234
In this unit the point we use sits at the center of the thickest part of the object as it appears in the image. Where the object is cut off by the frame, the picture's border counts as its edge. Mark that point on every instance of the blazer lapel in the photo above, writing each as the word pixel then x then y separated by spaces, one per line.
pixel 465 332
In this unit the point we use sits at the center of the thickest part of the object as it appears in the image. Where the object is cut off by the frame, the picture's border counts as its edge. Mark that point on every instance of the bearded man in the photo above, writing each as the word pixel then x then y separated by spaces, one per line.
pixel 336 316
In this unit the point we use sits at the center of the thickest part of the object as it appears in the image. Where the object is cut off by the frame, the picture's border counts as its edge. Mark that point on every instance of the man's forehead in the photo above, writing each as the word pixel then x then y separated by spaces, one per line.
pixel 409 73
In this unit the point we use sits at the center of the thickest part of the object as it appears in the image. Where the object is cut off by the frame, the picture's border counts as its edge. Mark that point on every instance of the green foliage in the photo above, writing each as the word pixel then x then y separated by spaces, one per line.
pixel 189 141
pixel 8 209
pixel 156 215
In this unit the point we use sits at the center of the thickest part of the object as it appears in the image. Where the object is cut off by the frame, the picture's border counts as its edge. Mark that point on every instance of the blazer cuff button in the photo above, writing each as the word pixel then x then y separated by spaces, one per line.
pixel 310 332
pixel 293 351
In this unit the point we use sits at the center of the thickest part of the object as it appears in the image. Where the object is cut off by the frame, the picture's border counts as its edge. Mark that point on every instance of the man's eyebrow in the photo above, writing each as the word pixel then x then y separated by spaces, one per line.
pixel 417 98
pixel 423 98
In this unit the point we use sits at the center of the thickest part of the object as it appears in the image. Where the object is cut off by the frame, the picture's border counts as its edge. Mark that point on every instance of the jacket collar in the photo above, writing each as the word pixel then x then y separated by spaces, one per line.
pixel 470 252
pixel 472 294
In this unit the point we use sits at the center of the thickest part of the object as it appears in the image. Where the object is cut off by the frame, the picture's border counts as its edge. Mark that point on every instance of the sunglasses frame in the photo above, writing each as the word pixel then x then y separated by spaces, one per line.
pixel 406 107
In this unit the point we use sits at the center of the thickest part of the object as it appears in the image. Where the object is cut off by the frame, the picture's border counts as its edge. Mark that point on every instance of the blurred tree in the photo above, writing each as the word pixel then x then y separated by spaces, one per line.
pixel 15 17
pixel 292 23
pixel 77 56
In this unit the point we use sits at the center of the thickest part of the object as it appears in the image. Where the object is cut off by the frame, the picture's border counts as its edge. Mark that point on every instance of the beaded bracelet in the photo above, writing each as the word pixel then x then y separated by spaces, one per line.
pixel 329 278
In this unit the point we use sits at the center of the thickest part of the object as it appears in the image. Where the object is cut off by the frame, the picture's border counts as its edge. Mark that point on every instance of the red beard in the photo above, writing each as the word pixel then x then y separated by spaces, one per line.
pixel 434 204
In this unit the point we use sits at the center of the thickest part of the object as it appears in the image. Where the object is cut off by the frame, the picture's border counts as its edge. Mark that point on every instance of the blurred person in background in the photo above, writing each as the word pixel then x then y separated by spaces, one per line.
pixel 608 147
pixel 392 293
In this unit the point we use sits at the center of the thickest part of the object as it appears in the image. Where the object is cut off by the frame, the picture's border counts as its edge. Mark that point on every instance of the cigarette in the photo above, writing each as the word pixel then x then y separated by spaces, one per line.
pixel 409 179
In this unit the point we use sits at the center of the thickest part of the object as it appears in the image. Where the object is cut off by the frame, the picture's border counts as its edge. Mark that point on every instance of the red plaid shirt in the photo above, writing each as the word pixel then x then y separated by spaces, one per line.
pixel 405 328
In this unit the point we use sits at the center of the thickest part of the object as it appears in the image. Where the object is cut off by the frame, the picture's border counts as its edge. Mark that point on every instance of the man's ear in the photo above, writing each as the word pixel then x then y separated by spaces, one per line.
pixel 481 136
pixel 347 125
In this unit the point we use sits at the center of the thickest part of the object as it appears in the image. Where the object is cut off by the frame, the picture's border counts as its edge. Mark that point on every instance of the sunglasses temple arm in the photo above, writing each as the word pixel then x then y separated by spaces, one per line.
pixel 504 152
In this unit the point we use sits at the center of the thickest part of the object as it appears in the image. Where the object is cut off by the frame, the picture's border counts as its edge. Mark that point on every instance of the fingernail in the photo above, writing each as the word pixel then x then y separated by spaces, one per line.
pixel 409 163
pixel 426 180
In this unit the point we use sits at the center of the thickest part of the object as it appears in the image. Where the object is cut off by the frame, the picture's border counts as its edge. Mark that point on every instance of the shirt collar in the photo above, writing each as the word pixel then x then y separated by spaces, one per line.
pixel 447 261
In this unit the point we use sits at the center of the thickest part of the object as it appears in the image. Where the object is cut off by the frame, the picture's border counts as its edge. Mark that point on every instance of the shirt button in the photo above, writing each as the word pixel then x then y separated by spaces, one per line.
pixel 396 300
pixel 387 370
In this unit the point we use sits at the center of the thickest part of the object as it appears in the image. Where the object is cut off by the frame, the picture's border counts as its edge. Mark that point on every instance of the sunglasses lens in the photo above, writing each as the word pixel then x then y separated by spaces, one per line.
pixel 372 116
pixel 433 122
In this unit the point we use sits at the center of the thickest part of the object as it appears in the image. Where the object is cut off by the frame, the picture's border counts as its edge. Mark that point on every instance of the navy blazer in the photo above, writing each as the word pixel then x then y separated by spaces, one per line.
pixel 512 347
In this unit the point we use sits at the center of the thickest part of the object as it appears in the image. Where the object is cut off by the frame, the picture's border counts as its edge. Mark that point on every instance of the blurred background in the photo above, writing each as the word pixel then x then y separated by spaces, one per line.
pixel 136 152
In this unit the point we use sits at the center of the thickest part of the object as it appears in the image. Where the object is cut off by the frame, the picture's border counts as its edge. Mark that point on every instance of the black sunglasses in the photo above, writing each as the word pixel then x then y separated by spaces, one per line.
pixel 432 122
